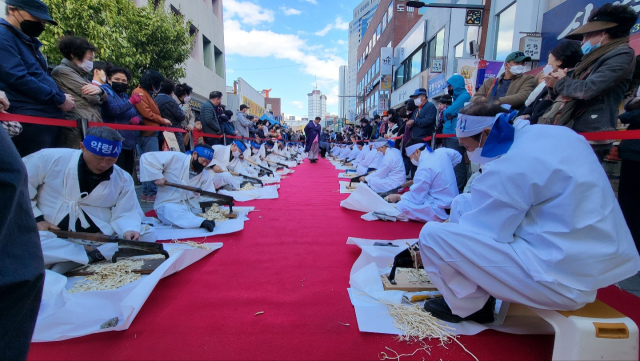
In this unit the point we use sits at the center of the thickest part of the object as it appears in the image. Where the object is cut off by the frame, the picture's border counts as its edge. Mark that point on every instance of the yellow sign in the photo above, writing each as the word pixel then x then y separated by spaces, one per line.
pixel 385 82
pixel 254 108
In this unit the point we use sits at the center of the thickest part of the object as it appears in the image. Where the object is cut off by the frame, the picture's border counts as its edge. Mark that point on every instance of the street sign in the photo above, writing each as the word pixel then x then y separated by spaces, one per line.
pixel 531 46
pixel 437 65
pixel 473 17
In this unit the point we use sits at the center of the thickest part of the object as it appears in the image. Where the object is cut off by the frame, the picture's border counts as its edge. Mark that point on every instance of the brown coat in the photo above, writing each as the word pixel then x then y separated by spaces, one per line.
pixel 519 89
pixel 149 111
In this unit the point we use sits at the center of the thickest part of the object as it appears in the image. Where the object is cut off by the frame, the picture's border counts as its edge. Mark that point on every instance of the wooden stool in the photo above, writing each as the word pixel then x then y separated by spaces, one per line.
pixel 594 332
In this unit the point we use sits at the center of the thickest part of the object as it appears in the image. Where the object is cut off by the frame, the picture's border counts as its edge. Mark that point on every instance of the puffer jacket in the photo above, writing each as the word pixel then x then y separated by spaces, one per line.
pixel 460 96
pixel 118 110
pixel 169 109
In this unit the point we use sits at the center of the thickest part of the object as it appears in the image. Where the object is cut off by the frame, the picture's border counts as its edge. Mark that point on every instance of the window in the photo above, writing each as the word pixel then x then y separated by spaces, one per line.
pixel 207 55
pixel 377 65
pixel 379 31
pixel 435 47
pixel 504 32
pixel 415 64
pixel 384 22
pixel 458 53
pixel 390 11
pixel 399 77
pixel 216 6
pixel 219 60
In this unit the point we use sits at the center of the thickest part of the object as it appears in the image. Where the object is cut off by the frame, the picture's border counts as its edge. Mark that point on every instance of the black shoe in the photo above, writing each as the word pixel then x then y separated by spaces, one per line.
pixel 438 308
pixel 95 256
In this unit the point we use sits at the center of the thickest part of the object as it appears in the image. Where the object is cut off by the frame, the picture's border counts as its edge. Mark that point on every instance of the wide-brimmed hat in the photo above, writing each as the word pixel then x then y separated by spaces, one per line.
pixel 34 7
pixel 597 23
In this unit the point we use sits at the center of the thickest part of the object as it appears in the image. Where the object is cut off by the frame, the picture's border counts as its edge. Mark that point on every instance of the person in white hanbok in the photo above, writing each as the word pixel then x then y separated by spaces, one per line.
pixel 390 173
pixel 238 164
pixel 544 228
pixel 353 154
pixel 434 185
pixel 83 191
pixel 364 150
pixel 370 160
pixel 173 205
pixel 221 164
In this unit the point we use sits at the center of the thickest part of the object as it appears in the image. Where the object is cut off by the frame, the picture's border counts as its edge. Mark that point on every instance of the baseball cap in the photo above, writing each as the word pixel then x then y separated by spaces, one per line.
pixel 34 7
pixel 518 57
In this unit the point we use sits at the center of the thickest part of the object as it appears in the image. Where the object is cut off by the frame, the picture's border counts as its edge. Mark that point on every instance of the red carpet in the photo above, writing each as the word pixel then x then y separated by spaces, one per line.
pixel 290 262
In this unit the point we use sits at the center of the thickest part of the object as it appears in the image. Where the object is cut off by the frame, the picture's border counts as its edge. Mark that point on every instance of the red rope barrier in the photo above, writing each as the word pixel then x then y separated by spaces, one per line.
pixel 7 117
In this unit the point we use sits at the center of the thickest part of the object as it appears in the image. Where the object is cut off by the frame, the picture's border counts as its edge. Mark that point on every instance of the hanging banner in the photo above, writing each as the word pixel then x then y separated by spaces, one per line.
pixel 468 69
pixel 386 61
pixel 254 108
pixel 437 82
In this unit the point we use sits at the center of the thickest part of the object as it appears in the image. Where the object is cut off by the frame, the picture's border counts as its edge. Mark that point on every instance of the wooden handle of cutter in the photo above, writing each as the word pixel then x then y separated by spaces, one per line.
pixel 186 188
pixel 250 161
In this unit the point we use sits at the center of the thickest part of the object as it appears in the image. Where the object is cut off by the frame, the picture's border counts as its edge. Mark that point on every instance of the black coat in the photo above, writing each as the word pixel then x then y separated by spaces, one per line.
pixel 366 131
pixel 424 123
pixel 630 149
pixel 209 119
pixel 170 109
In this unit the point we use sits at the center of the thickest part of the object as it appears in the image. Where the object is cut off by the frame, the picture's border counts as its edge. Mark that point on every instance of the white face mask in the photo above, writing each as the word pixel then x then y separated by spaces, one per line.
pixel 418 101
pixel 86 65
pixel 380 152
pixel 547 69
pixel 103 78
pixel 476 155
pixel 236 154
pixel 517 69
pixel 414 162
pixel 187 99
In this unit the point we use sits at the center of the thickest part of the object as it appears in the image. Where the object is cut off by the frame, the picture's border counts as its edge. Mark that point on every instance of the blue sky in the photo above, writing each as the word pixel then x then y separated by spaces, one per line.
pixel 284 45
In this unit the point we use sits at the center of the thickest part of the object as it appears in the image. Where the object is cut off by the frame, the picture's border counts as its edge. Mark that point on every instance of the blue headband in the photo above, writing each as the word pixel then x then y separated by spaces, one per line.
pixel 269 145
pixel 204 152
pixel 501 137
pixel 102 147
pixel 255 145
pixel 240 145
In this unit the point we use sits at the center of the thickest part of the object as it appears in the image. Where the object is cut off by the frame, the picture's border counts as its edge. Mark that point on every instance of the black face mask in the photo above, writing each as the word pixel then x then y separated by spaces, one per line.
pixel 450 91
pixel 196 166
pixel 119 87
pixel 30 27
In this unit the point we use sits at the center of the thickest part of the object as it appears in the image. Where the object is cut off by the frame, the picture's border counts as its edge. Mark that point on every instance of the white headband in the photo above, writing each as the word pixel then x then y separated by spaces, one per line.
pixel 412 149
pixel 379 143
pixel 469 125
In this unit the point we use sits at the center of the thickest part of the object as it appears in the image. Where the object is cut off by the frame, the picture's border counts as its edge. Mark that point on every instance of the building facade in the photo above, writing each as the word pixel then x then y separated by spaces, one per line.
pixel 362 15
pixel 274 105
pixel 390 23
pixel 243 93
pixel 343 95
pixel 205 68
pixel 317 104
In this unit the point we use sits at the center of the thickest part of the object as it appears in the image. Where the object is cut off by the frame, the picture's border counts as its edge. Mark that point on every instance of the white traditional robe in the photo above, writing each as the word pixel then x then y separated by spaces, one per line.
pixel 173 205
pixel 434 186
pixel 55 193
pixel 370 160
pixel 353 154
pixel 365 150
pixel 345 152
pixel 390 173
pixel 544 229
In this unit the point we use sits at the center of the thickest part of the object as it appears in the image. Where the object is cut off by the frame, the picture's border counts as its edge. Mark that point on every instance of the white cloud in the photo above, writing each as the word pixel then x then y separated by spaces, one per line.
pixel 332 97
pixel 297 103
pixel 248 12
pixel 324 31
pixel 341 24
pixel 266 43
pixel 314 2
pixel 342 42
pixel 290 11
pixel 338 24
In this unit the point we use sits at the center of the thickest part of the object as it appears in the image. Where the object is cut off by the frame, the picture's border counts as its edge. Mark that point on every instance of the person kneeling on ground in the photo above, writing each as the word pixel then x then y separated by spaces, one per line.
pixel 173 205
pixel 390 174
pixel 434 185
pixel 544 228
pixel 83 191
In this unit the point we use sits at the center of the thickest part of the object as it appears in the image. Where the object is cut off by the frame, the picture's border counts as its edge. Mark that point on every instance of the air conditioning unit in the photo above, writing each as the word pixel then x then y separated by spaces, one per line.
pixel 474 48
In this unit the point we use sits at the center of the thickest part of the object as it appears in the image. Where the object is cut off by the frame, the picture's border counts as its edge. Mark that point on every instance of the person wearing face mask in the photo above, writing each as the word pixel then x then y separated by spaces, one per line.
pixel 390 172
pixel 24 74
pixel 434 185
pixel 83 191
pixel 512 87
pixel 599 82
pixel 173 205
pixel 182 96
pixel 540 211
pixel 238 164
pixel 564 57
pixel 99 72
pixel 423 122
pixel 120 109
pixel 150 113
pixel 169 109
pixel 72 76
pixel 226 158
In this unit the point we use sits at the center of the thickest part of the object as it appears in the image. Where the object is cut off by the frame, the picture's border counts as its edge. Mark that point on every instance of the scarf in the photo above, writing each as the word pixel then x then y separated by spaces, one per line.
pixel 589 59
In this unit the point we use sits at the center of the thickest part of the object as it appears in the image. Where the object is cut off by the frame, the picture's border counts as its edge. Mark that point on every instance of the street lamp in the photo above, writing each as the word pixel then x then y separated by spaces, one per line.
pixel 420 4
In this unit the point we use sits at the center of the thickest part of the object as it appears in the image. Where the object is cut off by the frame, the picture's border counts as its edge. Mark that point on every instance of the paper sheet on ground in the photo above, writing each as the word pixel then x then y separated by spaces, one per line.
pixel 66 315
pixel 266 192
pixel 364 199
pixel 347 175
pixel 366 289
pixel 343 187
pixel 285 171
pixel 271 180
pixel 167 232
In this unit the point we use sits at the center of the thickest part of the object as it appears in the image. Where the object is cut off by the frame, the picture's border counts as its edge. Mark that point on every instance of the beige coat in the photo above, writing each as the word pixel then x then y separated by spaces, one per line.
pixel 71 78
pixel 521 86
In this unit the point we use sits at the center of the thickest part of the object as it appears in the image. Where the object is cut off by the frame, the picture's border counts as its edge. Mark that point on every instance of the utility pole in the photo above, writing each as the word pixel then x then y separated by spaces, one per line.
pixel 485 28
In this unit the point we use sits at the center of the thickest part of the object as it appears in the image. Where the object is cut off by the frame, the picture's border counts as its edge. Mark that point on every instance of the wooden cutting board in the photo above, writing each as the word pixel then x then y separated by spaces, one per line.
pixel 403 283
pixel 147 267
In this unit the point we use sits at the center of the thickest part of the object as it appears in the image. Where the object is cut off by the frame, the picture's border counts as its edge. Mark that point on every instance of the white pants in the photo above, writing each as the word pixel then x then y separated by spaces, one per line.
pixel 56 250
pixel 178 215
pixel 468 268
